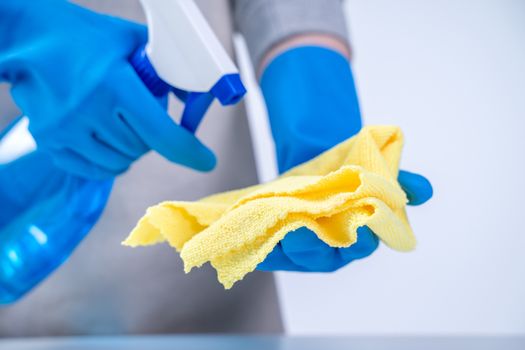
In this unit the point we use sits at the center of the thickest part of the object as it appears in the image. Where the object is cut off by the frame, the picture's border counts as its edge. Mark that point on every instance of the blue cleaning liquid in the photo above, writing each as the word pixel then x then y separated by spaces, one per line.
pixel 44 214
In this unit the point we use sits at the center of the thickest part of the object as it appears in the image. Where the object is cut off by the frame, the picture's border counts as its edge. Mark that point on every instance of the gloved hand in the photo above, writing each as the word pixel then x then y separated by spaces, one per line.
pixel 312 106
pixel 87 107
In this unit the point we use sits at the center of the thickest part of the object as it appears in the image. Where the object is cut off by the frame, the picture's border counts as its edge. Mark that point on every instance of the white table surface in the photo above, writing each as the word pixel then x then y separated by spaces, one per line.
pixel 201 342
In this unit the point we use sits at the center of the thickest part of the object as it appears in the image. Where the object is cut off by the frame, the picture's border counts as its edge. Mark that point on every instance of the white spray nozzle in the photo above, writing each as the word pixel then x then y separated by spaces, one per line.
pixel 184 55
pixel 182 47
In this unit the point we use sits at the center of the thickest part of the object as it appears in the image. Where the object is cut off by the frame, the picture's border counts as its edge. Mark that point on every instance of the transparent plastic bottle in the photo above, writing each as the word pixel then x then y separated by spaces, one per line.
pixel 44 214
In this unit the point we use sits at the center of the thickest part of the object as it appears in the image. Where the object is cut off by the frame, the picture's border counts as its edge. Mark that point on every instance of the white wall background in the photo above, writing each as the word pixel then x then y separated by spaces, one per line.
pixel 452 75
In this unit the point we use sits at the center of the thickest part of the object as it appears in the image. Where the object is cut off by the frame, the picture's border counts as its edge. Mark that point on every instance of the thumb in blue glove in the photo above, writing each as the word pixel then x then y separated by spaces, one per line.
pixel 312 105
pixel 302 250
pixel 88 109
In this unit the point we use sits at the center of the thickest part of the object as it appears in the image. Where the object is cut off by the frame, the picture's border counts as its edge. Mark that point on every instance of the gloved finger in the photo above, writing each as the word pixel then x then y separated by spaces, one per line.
pixel 278 261
pixel 147 118
pixel 366 244
pixel 417 187
pixel 305 249
pixel 119 134
pixel 74 163
pixel 93 150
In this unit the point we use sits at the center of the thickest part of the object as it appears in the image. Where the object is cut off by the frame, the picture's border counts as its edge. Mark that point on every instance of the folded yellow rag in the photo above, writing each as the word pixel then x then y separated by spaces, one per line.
pixel 348 186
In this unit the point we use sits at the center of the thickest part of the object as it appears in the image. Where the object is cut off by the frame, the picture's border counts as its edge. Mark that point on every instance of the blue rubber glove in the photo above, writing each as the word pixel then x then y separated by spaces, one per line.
pixel 88 109
pixel 312 105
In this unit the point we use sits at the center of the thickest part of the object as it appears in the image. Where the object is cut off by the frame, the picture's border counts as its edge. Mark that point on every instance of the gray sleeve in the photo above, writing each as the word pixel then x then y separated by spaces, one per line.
pixel 264 23
pixel 8 110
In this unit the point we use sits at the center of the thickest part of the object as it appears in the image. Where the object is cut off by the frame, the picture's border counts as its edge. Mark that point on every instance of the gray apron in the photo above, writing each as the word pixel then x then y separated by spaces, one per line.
pixel 105 288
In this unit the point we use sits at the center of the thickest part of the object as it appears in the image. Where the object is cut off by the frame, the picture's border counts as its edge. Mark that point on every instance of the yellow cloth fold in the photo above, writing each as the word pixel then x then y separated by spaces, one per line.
pixel 348 186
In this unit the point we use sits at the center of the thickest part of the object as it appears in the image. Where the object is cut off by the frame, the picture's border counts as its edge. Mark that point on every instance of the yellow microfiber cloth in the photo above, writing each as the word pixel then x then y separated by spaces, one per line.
pixel 351 185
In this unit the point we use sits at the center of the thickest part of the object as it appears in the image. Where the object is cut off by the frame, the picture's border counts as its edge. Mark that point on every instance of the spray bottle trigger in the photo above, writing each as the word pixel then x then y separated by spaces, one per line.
pixel 196 105
pixel 228 90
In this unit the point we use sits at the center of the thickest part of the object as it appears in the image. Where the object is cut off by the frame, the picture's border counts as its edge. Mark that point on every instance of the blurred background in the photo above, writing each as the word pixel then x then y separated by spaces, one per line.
pixel 452 75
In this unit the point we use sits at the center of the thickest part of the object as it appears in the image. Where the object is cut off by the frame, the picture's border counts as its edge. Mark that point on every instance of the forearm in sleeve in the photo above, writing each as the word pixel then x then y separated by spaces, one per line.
pixel 266 23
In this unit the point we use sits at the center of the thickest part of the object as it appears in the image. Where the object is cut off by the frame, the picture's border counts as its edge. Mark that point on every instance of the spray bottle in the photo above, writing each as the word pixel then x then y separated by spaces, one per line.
pixel 183 56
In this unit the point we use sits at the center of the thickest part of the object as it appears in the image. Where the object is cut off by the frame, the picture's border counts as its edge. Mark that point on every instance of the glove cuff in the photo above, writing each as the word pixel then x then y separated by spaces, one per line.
pixel 265 23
